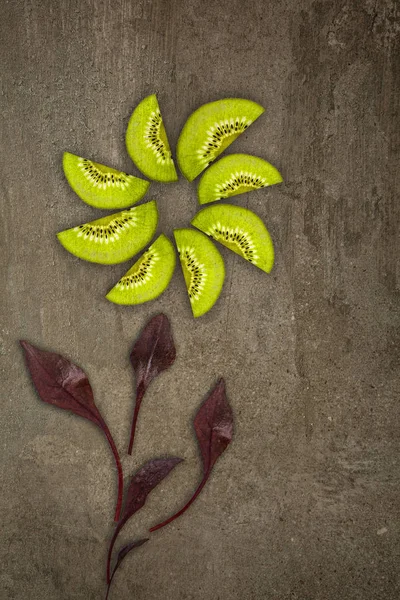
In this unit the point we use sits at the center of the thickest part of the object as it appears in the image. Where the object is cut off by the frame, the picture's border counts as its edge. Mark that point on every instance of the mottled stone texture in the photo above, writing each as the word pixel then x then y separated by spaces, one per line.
pixel 305 503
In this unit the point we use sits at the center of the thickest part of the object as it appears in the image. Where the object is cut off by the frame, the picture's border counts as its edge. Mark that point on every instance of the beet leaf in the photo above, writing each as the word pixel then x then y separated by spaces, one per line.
pixel 213 425
pixel 63 384
pixel 142 483
pixel 121 555
pixel 153 353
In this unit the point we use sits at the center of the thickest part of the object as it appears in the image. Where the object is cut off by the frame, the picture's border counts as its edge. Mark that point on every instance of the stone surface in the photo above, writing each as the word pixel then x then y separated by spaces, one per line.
pixel 305 503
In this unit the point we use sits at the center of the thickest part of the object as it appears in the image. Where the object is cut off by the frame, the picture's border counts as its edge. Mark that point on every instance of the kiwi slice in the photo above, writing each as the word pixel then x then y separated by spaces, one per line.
pixel 236 174
pixel 240 230
pixel 149 277
pixel 147 142
pixel 115 238
pixel 211 129
pixel 203 269
pixel 101 186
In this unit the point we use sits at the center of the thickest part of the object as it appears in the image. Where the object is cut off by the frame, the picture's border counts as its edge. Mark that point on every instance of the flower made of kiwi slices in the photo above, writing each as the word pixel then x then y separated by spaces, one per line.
pixel 121 235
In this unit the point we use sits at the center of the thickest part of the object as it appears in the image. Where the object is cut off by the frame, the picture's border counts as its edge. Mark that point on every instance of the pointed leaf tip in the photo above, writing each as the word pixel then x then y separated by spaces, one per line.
pixel 142 483
pixel 61 383
pixel 214 425
pixel 214 430
pixel 122 554
pixel 126 549
pixel 154 351
pixel 145 480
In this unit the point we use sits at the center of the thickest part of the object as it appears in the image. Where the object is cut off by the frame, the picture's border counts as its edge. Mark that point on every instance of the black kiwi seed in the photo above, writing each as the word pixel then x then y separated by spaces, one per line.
pixel 142 270
pixel 99 231
pixel 196 275
pixel 221 131
pixel 153 136
pixel 94 174
pixel 244 179
pixel 241 240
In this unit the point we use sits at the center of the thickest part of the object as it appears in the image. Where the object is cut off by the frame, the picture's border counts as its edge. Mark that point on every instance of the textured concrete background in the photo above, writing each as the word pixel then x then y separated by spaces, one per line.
pixel 305 504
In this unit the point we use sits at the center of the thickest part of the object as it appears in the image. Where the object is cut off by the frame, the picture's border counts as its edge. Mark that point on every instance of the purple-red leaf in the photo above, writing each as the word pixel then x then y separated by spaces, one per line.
pixel 63 384
pixel 153 353
pixel 214 429
pixel 121 555
pixel 213 425
pixel 142 483
pixel 145 480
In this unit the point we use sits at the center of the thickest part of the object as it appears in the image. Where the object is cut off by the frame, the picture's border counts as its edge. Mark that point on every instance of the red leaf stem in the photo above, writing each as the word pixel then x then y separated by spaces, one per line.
pixel 142 483
pixel 213 425
pixel 118 464
pixel 121 555
pixel 61 383
pixel 139 397
pixel 152 353
pixel 182 510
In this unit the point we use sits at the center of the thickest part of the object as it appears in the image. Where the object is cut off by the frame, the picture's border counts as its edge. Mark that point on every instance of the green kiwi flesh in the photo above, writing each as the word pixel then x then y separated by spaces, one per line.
pixel 240 230
pixel 236 174
pixel 147 142
pixel 115 238
pixel 203 269
pixel 101 186
pixel 211 129
pixel 149 277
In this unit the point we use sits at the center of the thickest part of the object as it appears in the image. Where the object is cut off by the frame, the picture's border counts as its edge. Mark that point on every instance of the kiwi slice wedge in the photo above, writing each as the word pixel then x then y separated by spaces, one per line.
pixel 147 142
pixel 115 238
pixel 149 277
pixel 236 174
pixel 211 129
pixel 101 186
pixel 240 230
pixel 203 269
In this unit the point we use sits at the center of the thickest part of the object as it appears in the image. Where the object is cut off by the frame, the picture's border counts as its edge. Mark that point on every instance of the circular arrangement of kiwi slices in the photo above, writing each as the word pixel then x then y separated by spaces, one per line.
pixel 236 174
pixel 203 269
pixel 240 230
pixel 101 186
pixel 149 277
pixel 211 129
pixel 120 236
pixel 147 142
pixel 115 238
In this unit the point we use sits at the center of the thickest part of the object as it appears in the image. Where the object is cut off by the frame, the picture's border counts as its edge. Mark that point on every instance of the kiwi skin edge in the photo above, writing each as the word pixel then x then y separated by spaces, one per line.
pixel 149 277
pixel 115 238
pixel 147 143
pixel 236 174
pixel 203 269
pixel 240 230
pixel 101 186
pixel 210 130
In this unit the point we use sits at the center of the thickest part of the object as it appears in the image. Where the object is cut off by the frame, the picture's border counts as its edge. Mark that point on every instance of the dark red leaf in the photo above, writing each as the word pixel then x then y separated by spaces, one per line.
pixel 142 483
pixel 145 480
pixel 214 429
pixel 153 353
pixel 121 555
pixel 214 426
pixel 63 384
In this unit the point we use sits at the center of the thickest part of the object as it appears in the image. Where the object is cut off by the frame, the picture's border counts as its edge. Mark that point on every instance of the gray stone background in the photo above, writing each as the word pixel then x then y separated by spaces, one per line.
pixel 305 503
